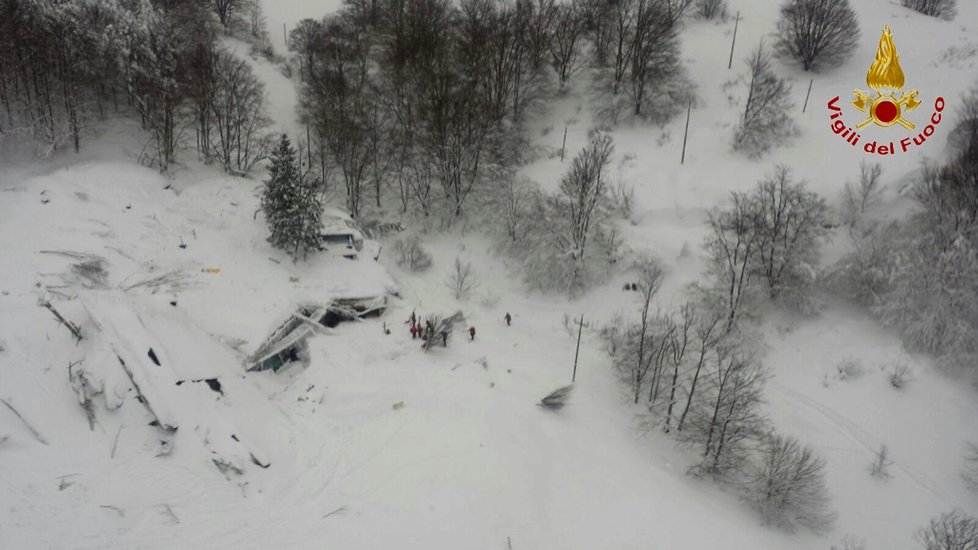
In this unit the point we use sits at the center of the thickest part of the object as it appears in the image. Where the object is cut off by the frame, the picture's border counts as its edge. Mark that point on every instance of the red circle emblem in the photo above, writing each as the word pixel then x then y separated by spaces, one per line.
pixel 887 112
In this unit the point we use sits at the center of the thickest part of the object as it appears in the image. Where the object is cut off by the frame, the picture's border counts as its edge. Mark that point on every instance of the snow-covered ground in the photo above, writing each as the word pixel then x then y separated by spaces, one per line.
pixel 468 460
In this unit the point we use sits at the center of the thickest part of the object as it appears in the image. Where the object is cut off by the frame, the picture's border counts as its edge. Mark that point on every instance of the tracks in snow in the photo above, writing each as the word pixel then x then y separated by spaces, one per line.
pixel 859 436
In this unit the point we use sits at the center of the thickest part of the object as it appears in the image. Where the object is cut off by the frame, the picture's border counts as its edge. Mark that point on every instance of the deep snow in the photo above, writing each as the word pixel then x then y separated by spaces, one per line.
pixel 469 460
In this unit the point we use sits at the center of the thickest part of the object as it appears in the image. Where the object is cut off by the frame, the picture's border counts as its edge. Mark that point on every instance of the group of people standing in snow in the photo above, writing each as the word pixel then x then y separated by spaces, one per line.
pixel 427 332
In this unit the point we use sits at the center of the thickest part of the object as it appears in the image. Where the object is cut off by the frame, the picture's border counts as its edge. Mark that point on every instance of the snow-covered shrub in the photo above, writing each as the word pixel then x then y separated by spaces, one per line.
pixel 850 369
pixel 900 375
pixel 850 542
pixel 411 254
pixel 950 531
pixel 944 9
pixel 788 485
pixel 767 121
pixel 925 292
pixel 931 270
pixel 863 275
pixel 817 33
pixel 881 463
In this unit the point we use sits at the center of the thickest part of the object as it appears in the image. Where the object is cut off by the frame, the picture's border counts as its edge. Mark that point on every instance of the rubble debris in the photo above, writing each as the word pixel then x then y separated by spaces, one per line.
pixel 287 343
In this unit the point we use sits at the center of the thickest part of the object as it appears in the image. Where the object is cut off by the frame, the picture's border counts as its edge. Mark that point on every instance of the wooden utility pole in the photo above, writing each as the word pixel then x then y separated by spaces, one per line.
pixel 750 97
pixel 563 147
pixel 689 110
pixel 285 36
pixel 308 147
pixel 580 327
pixel 808 95
pixel 734 41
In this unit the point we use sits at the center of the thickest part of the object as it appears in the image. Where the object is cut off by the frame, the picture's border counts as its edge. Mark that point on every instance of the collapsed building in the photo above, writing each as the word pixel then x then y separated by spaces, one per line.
pixel 286 345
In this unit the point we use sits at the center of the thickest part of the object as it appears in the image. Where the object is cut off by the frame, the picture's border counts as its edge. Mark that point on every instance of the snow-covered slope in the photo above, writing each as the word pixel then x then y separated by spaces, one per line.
pixel 466 459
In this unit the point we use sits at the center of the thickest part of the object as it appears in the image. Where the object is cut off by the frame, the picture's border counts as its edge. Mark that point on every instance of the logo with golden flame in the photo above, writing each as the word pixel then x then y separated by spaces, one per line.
pixel 886 78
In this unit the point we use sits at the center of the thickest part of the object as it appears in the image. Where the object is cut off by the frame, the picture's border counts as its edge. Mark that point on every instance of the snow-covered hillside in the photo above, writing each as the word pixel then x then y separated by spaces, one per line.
pixel 376 444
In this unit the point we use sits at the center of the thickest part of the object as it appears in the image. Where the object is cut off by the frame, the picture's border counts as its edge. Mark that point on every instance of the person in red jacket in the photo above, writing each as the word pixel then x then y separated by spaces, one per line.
pixel 414 331
pixel 471 333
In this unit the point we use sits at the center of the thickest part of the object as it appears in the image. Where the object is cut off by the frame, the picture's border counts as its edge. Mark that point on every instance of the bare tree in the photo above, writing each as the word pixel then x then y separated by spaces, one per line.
pixel 462 279
pixel 411 254
pixel 598 18
pixel 944 9
pixel 788 485
pixel 950 531
pixel 728 417
pixel 675 10
pixel 858 198
pixel 710 9
pixel 881 463
pixel 654 59
pixel 790 222
pixel 706 339
pixel 817 33
pixel 679 341
pixel 766 120
pixel 513 196
pixel 642 343
pixel 585 185
pixel 732 247
pixel 227 10
pixel 238 116
pixel 622 25
pixel 567 41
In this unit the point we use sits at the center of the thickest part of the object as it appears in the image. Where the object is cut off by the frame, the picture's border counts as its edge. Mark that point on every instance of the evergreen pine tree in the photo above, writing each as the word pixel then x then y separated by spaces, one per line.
pixel 291 205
